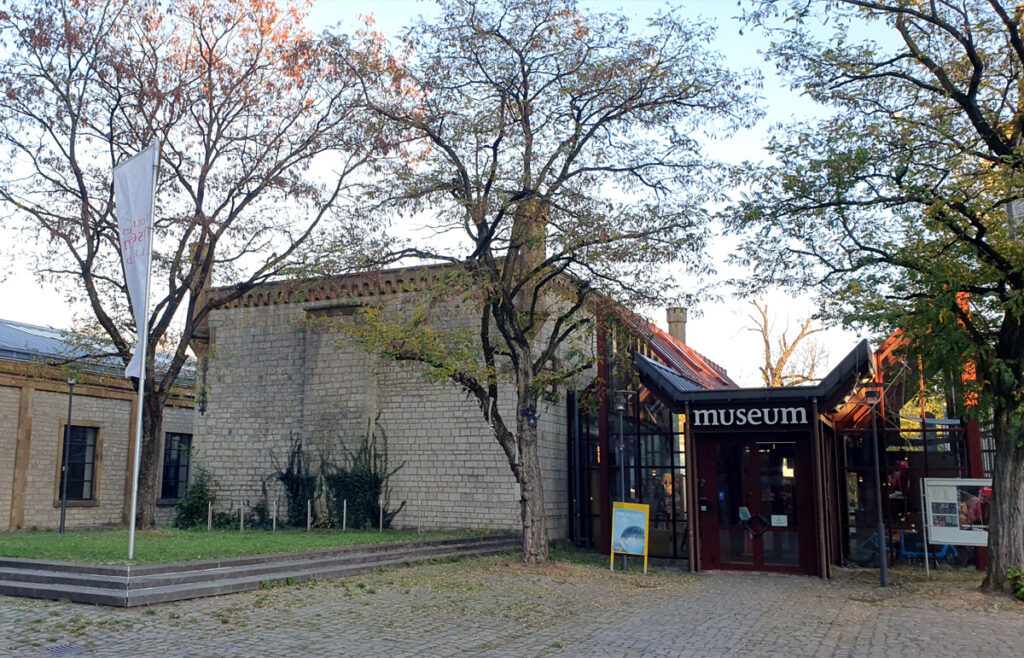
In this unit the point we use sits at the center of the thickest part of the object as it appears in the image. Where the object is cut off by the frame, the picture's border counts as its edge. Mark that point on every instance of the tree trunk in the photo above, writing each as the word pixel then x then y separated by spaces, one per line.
pixel 1006 525
pixel 1006 522
pixel 535 532
pixel 149 465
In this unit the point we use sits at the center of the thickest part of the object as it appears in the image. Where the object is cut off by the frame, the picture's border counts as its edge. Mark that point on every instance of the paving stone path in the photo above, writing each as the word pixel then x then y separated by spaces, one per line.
pixel 492 607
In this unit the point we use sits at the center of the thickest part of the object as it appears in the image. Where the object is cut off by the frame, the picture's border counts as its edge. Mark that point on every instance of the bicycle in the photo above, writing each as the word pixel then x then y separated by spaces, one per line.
pixel 912 547
pixel 909 546
pixel 867 551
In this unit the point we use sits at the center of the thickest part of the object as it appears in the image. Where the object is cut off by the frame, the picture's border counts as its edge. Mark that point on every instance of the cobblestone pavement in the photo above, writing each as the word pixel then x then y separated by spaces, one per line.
pixel 496 608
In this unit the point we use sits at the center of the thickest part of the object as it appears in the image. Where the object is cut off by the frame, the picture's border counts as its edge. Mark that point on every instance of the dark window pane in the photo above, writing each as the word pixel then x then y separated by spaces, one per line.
pixel 176 463
pixel 81 456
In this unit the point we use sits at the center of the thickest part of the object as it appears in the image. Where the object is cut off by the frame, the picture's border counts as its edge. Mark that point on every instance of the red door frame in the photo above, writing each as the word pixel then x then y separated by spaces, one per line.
pixel 707 501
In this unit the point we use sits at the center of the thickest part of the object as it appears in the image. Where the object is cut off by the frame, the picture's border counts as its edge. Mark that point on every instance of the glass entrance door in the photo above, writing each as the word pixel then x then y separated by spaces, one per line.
pixel 749 495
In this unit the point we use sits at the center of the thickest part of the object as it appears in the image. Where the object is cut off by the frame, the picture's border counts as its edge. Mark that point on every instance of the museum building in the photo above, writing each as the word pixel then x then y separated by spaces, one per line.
pixel 777 479
pixel 280 371
pixel 768 479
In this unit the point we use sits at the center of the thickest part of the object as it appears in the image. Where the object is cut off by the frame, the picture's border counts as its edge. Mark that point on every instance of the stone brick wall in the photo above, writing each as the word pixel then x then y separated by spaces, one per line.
pixel 49 412
pixel 274 377
pixel 108 409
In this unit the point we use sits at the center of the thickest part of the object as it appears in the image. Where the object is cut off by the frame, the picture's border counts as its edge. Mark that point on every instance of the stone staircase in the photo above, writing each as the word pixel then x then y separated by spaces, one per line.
pixel 127 586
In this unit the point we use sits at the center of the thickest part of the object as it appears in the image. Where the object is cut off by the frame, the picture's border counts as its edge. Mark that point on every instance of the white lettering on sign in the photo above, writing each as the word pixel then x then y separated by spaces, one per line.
pixel 767 416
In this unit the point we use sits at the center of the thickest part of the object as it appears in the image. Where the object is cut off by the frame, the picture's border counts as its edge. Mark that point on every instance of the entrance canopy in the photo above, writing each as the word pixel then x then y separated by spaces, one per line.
pixel 757 460
pixel 676 391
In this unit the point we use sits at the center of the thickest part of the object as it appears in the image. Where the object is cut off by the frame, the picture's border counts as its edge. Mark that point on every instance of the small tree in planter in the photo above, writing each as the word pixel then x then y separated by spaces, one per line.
pixel 363 480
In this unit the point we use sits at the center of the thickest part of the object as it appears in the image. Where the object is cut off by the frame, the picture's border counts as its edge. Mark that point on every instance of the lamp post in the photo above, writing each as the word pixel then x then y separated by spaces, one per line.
pixel 873 395
pixel 620 407
pixel 64 459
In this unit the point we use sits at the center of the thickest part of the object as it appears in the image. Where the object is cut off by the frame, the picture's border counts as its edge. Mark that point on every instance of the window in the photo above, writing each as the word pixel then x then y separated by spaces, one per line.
pixel 176 460
pixel 81 463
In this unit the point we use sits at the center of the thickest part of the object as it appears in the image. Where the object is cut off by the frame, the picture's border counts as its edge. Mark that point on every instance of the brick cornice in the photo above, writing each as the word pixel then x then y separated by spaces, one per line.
pixel 375 283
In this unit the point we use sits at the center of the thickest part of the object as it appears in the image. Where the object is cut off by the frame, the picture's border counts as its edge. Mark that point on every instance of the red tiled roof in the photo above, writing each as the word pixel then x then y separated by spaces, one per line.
pixel 682 358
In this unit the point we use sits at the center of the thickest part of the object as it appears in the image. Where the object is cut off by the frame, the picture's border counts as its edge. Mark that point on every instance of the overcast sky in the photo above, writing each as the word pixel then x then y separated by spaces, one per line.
pixel 718 330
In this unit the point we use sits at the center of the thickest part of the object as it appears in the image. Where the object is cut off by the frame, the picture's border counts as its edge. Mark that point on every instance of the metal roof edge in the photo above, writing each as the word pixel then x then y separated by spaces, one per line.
pixel 829 391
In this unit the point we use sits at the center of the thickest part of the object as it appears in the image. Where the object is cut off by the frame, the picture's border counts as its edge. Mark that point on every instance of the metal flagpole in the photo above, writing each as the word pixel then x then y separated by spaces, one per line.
pixel 143 345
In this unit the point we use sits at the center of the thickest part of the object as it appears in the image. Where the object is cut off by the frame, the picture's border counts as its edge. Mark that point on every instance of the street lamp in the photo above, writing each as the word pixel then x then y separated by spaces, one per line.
pixel 872 396
pixel 620 407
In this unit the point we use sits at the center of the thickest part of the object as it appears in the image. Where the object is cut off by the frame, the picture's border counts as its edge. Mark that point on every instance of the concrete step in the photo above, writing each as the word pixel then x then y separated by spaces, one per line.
pixel 56 591
pixel 116 585
pixel 269 568
pixel 148 569
pixel 298 574
pixel 69 578
pixel 49 565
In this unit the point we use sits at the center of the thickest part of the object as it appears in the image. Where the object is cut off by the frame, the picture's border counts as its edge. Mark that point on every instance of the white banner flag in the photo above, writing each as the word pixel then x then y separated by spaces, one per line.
pixel 134 187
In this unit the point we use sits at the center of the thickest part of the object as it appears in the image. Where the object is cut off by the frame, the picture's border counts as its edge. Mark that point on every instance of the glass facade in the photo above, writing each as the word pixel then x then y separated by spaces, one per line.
pixel 585 477
pixel 906 456
pixel 646 464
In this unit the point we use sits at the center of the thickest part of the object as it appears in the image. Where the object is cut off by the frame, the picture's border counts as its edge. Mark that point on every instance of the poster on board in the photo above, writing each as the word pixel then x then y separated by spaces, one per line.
pixel 630 530
pixel 958 510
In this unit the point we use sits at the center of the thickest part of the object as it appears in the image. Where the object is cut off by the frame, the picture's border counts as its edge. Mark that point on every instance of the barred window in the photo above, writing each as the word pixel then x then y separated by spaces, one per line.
pixel 80 466
pixel 176 461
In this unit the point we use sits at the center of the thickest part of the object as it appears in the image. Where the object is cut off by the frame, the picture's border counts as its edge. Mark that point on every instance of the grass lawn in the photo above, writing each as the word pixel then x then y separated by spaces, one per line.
pixel 168 545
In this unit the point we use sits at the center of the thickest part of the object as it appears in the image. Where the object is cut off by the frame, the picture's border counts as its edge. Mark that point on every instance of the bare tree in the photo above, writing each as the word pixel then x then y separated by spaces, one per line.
pixel 556 155
pixel 243 100
pixel 787 361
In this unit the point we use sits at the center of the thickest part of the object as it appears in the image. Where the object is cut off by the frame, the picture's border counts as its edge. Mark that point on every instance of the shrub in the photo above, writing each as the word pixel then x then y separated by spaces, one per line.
pixel 363 481
pixel 1017 576
pixel 192 508
pixel 299 482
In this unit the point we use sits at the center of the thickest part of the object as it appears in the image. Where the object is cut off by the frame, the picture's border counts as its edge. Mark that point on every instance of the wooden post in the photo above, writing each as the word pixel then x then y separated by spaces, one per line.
pixel 273 522
pixel 209 516
pixel 309 514
pixel 22 450
pixel 241 522
pixel 382 514
pixel 344 514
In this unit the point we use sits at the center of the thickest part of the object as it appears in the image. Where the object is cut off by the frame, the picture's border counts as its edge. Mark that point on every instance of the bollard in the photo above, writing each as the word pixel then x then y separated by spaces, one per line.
pixel 382 514
pixel 344 514
pixel 209 516
pixel 273 522
pixel 241 521
pixel 419 514
pixel 309 514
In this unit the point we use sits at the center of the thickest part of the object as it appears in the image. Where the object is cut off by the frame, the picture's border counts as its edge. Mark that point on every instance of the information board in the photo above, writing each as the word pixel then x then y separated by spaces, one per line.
pixel 958 510
pixel 630 530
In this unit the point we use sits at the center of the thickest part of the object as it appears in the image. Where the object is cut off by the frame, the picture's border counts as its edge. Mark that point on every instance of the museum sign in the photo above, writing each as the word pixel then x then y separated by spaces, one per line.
pixel 741 417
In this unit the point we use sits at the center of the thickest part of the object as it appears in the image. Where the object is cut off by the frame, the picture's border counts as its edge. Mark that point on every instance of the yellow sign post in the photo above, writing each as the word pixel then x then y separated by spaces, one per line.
pixel 630 525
